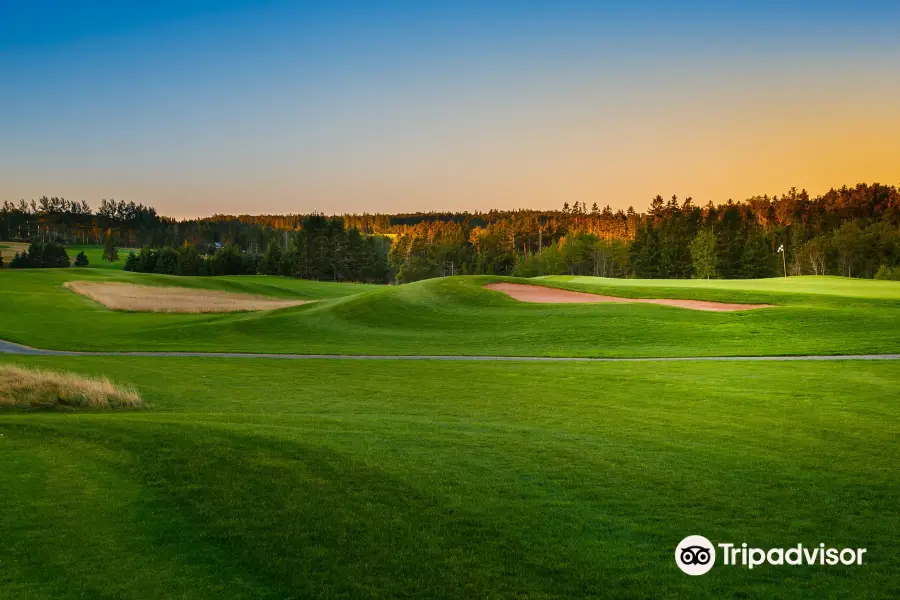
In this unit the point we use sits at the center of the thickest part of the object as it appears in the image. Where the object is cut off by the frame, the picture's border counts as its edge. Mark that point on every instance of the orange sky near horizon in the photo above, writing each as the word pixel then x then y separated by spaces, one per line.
pixel 715 109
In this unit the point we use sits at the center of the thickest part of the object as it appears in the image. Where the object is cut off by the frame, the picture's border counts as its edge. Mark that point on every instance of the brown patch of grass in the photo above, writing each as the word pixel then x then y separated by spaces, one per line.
pixel 9 252
pixel 33 389
pixel 147 298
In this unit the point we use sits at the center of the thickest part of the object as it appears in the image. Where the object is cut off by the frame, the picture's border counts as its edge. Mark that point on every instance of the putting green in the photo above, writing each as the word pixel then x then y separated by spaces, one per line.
pixel 822 285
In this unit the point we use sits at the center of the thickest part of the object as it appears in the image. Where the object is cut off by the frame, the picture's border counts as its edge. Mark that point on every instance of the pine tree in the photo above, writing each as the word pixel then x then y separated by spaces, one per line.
pixel 704 255
pixel 146 260
pixel 272 260
pixel 189 260
pixel 644 252
pixel 131 262
pixel 81 259
pixel 110 254
pixel 166 261
pixel 756 259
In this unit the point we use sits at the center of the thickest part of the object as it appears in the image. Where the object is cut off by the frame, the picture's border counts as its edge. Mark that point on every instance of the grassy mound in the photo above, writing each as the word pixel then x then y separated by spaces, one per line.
pixel 457 315
pixel 33 389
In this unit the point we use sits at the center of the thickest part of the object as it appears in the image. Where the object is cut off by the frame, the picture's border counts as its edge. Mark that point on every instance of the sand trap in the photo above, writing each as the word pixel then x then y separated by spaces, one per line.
pixel 536 293
pixel 146 298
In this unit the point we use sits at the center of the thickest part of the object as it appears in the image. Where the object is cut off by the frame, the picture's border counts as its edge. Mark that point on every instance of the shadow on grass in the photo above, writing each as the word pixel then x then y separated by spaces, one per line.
pixel 291 520
pixel 269 518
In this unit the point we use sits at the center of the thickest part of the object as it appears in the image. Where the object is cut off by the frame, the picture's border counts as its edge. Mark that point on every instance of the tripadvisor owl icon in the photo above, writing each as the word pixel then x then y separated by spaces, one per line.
pixel 695 555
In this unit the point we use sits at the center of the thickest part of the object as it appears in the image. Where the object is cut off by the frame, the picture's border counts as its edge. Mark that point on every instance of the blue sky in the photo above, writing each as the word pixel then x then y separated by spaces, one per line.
pixel 231 106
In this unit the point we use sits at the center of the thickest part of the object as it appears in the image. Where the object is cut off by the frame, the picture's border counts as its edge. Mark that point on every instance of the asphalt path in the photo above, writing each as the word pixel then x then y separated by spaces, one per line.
pixel 18 349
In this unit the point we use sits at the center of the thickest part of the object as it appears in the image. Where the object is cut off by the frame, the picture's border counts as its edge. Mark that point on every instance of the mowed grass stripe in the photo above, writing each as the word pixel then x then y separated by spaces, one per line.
pixel 271 479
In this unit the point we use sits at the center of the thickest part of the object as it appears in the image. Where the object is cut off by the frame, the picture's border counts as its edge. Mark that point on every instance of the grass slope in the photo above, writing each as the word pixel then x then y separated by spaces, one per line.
pixel 93 252
pixel 455 315
pixel 265 479
pixel 677 288
pixel 94 255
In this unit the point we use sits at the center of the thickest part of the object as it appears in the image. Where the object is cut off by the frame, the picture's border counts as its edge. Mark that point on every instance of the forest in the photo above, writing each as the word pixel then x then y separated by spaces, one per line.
pixel 320 248
pixel 848 231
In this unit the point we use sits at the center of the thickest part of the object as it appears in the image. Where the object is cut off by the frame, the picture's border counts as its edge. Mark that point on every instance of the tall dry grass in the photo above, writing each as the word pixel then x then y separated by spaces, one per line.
pixel 22 388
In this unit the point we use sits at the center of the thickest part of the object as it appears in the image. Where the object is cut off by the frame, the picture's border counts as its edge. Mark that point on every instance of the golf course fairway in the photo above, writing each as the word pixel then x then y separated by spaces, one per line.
pixel 267 478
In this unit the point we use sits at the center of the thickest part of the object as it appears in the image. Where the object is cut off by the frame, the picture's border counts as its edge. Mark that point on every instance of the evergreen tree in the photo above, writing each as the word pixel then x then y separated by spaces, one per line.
pixel 271 263
pixel 293 261
pixel 730 242
pixel 132 262
pixel 55 256
pixel 38 255
pixel 166 261
pixel 81 259
pixel 644 252
pixel 227 261
pixel 756 261
pixel 146 260
pixel 249 264
pixel 356 252
pixel 19 261
pixel 189 261
pixel 704 255
pixel 377 268
pixel 33 258
pixel 110 254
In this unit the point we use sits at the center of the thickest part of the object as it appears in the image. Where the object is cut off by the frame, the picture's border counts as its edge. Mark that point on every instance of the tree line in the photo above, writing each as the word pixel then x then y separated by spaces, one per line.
pixel 54 219
pixel 851 232
pixel 45 256
pixel 847 231
pixel 321 249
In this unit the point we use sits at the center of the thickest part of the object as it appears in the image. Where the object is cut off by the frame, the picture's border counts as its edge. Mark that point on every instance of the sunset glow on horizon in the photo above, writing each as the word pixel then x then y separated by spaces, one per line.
pixel 275 107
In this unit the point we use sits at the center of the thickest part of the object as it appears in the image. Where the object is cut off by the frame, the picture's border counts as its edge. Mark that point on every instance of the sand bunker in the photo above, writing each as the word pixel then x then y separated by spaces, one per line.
pixel 536 293
pixel 146 298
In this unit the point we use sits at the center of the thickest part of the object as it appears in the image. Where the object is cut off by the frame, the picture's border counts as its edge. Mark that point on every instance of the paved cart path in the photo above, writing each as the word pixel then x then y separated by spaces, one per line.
pixel 11 348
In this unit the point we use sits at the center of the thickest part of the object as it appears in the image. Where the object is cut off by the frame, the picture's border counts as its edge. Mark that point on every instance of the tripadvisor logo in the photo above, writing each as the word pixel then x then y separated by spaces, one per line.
pixel 696 555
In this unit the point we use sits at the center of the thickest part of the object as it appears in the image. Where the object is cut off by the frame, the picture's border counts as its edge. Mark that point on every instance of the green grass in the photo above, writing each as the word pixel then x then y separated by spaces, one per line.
pixel 94 255
pixel 675 288
pixel 275 479
pixel 93 252
pixel 380 479
pixel 457 316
